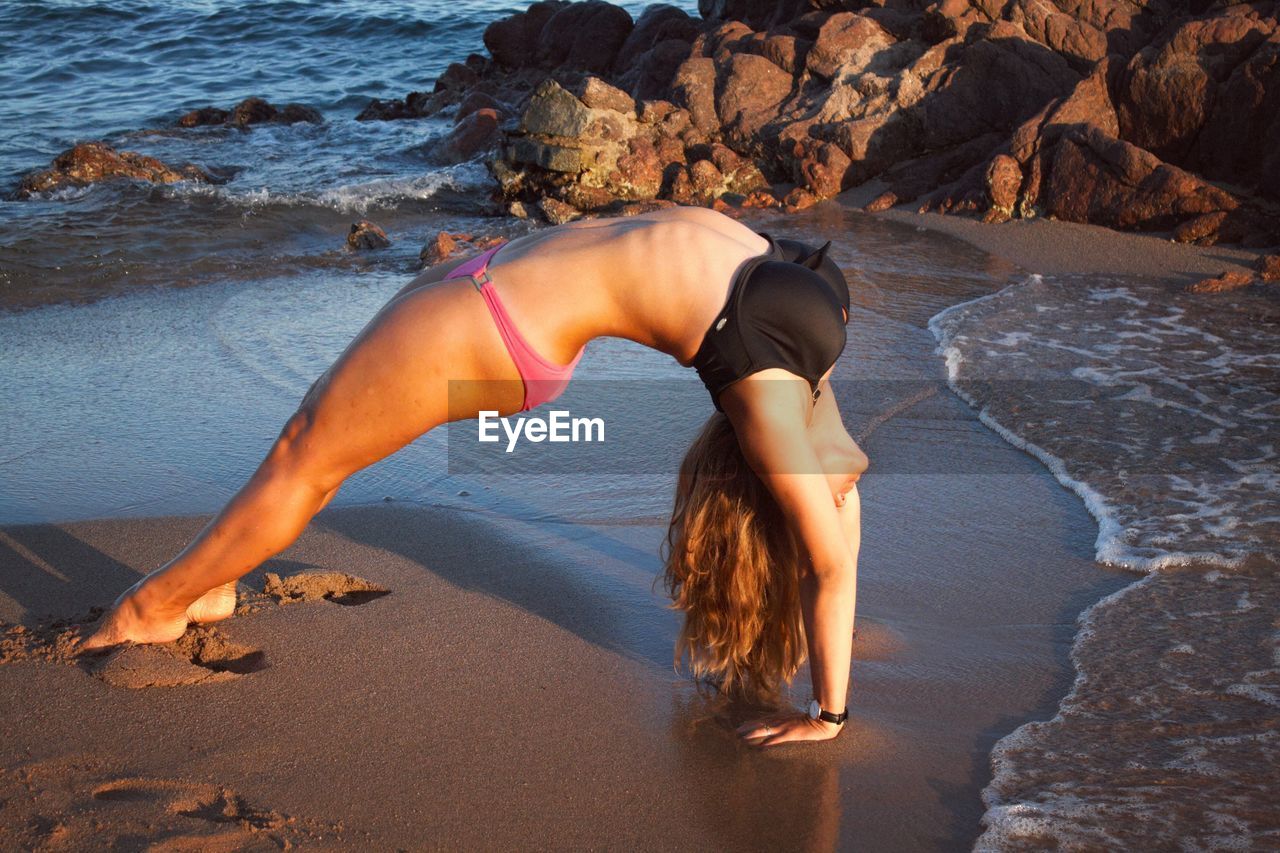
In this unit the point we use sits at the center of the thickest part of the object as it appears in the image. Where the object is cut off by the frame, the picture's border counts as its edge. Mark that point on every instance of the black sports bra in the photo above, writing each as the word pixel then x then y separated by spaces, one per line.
pixel 786 308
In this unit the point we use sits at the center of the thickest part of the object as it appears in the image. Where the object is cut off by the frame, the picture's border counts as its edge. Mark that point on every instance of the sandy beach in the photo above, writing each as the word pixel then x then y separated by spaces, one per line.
pixel 515 687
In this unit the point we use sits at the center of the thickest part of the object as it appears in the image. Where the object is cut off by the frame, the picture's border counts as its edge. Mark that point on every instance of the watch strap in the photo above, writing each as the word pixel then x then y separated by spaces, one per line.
pixel 829 716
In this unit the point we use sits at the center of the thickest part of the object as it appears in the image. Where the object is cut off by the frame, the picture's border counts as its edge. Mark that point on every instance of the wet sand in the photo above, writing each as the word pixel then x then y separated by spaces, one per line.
pixel 496 698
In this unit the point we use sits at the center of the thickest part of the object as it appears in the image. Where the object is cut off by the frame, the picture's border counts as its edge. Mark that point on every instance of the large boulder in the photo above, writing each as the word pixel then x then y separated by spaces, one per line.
pixel 513 41
pixel 1032 143
pixel 994 80
pixel 1240 140
pixel 656 24
pixel 694 89
pixel 585 36
pixel 1206 96
pixel 749 94
pixel 474 133
pixel 1099 179
pixel 93 162
pixel 841 37
pixel 582 153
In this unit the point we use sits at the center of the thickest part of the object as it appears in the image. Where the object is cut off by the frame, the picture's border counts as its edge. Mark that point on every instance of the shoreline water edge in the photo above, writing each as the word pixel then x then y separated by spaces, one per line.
pixel 1110 358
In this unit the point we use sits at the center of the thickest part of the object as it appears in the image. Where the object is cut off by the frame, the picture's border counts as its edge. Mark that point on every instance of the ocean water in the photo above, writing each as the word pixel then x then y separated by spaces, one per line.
pixel 123 72
pixel 1161 410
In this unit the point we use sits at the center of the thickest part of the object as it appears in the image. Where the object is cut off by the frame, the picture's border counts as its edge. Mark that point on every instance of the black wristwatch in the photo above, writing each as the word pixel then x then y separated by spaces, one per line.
pixel 816 713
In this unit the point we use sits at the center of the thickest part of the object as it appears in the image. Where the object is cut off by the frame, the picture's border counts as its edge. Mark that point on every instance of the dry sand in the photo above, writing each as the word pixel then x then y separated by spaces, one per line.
pixel 491 699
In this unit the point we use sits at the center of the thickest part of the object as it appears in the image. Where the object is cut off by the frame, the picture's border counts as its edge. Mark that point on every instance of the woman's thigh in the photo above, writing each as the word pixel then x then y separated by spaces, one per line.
pixel 430 356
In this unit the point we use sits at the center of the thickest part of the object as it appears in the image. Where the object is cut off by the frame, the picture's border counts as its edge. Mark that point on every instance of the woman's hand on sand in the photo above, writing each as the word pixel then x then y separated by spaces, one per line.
pixel 788 727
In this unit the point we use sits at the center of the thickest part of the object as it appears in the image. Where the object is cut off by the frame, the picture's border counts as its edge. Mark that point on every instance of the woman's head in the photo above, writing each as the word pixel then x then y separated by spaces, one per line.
pixel 731 567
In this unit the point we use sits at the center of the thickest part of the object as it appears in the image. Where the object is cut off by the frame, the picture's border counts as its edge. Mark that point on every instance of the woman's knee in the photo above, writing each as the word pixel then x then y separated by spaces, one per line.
pixel 300 452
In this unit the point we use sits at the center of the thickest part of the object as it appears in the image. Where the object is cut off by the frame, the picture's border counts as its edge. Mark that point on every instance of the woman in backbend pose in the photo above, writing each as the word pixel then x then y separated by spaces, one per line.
pixel 763 545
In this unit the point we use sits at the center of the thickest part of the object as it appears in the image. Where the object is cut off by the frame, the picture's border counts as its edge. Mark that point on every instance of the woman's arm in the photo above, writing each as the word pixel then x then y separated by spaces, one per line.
pixel 770 413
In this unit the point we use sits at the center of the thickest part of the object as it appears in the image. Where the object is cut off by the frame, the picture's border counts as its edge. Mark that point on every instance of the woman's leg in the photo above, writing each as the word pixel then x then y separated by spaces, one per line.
pixel 390 386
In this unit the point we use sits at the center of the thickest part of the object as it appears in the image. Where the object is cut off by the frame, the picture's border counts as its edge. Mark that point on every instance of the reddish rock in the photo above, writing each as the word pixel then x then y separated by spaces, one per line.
pixel 944 20
pixel 876 142
pixel 203 117
pixel 655 110
pixel 1230 280
pixel 1165 95
pixel 669 150
pixel 476 132
pixel 365 235
pixel 723 205
pixel 724 40
pixel 640 170
pixel 477 101
pixel 821 167
pixel 988 84
pixel 249 112
pixel 966 194
pixel 694 89
pixel 911 179
pixel 882 202
pixel 457 76
pixel 657 23
pixel 787 52
pixel 1269 267
pixel 838 38
pixel 584 36
pixel 760 199
pixel 92 162
pixel 741 175
pixel 558 212
pixel 1240 140
pixel 1088 102
pixel 635 208
pixel 380 110
pixel 749 96
pixel 650 75
pixel 599 95
pixel 295 113
pixel 513 41
pixel 1002 179
pixel 586 197
pixel 1080 41
pixel 444 246
pixel 798 199
pixel 706 180
pixel 1203 229
pixel 1097 178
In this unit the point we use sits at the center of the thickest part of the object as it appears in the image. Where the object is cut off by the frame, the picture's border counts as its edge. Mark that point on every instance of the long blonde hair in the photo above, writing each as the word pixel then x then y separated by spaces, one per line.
pixel 731 567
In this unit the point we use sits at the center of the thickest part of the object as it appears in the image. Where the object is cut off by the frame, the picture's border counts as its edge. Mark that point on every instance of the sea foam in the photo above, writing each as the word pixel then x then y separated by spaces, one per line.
pixel 1158 408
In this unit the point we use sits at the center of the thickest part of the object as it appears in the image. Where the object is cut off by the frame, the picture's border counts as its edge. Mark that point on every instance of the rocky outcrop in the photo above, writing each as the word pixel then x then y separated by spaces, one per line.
pixel 365 235
pixel 93 162
pixel 249 112
pixel 1269 267
pixel 446 245
pixel 1228 281
pixel 1118 112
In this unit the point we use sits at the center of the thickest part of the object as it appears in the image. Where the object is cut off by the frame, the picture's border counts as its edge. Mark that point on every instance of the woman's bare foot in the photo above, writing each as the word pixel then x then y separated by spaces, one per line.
pixel 135 620
pixel 218 603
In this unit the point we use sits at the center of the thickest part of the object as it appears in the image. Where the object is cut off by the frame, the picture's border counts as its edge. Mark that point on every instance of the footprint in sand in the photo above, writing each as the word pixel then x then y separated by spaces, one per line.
pixel 77 803
pixel 203 655
pixel 338 587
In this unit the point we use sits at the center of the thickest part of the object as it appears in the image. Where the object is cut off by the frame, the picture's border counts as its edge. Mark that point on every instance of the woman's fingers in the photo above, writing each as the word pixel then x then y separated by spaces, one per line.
pixel 763 727
pixel 785 728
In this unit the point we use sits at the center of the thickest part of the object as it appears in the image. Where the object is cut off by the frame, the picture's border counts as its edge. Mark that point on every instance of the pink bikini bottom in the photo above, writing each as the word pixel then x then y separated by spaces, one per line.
pixel 543 380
